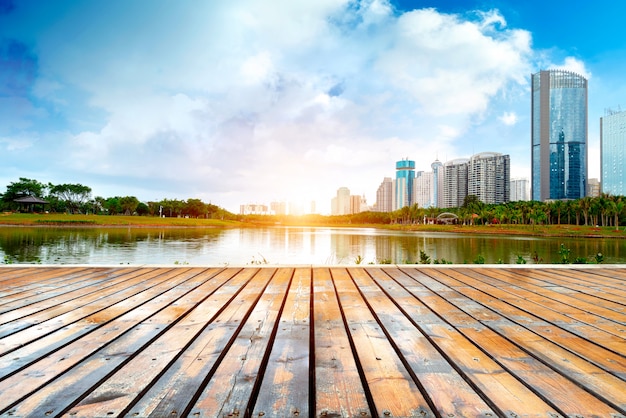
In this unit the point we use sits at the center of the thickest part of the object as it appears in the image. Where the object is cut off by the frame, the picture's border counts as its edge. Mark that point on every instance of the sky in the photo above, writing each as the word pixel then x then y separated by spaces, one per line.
pixel 253 101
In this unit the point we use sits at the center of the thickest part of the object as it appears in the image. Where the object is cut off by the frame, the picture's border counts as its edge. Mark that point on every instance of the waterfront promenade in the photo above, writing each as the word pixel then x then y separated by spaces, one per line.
pixel 268 341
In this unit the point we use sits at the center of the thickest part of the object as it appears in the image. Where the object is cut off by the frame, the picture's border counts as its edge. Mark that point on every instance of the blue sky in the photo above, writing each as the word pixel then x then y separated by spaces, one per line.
pixel 237 102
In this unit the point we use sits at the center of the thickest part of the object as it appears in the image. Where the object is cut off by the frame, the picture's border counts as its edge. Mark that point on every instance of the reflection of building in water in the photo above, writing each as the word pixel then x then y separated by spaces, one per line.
pixel 346 246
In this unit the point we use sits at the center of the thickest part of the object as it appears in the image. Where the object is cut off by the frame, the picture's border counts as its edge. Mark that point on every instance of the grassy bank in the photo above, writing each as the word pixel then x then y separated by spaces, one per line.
pixel 64 220
pixel 55 219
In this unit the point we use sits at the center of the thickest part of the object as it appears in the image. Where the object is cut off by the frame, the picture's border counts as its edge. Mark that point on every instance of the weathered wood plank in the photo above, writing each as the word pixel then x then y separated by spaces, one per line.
pixel 356 341
pixel 228 304
pixel 284 389
pixel 450 394
pixel 510 344
pixel 230 388
pixel 57 381
pixel 338 386
pixel 445 325
pixel 25 354
pixel 538 306
pixel 64 300
pixel 389 383
pixel 36 283
pixel 32 327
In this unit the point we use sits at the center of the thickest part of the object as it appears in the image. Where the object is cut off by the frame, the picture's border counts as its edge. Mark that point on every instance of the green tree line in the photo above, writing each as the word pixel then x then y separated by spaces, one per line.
pixel 76 198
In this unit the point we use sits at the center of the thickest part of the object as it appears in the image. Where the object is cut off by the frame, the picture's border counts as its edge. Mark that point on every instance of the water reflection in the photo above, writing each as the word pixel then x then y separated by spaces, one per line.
pixel 280 245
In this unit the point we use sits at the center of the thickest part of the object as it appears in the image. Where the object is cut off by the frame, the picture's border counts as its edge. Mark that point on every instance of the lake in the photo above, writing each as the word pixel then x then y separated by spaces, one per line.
pixel 282 246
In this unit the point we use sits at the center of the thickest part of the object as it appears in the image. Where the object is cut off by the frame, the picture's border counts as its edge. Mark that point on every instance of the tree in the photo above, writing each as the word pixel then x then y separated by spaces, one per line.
pixel 74 195
pixel 112 205
pixel 22 188
pixel 129 204
pixel 195 208
pixel 142 209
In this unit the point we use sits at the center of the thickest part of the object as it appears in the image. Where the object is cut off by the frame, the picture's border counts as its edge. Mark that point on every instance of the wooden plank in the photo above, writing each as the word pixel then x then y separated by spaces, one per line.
pixel 391 387
pixel 25 354
pixel 230 388
pixel 509 343
pixel 535 319
pixel 449 393
pixel 338 386
pixel 23 331
pixel 573 311
pixel 40 281
pixel 225 308
pixel 582 323
pixel 284 388
pixel 62 301
pixel 444 324
pixel 57 381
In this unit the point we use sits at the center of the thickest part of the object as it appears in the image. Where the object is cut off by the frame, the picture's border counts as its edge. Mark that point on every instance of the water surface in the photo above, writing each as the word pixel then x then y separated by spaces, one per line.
pixel 282 246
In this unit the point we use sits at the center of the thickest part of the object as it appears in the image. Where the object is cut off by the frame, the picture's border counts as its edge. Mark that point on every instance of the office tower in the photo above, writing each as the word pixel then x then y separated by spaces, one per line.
pixel 558 135
pixel 405 173
pixel 423 189
pixel 438 175
pixel 340 205
pixel 593 187
pixel 455 182
pixel 384 196
pixel 519 189
pixel 613 152
pixel 489 177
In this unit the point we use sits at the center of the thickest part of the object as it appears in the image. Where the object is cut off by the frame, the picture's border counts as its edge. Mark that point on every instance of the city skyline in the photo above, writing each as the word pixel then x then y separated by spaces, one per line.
pixel 235 102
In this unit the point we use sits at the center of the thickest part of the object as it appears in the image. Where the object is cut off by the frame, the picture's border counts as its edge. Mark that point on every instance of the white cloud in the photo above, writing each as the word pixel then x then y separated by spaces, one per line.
pixel 244 101
pixel 508 118
pixel 575 65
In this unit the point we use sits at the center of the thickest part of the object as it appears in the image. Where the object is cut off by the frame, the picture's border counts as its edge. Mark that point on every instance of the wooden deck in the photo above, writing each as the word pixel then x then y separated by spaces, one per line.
pixel 392 341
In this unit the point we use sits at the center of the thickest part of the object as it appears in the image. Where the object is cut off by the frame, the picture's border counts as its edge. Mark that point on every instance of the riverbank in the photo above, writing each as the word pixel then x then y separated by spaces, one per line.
pixel 85 221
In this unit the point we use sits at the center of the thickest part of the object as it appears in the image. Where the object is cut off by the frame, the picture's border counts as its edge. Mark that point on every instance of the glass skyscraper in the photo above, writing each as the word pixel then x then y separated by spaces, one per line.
pixel 558 135
pixel 613 152
pixel 405 174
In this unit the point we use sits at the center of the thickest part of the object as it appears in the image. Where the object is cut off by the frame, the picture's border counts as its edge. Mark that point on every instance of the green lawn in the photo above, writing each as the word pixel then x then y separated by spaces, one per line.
pixel 25 219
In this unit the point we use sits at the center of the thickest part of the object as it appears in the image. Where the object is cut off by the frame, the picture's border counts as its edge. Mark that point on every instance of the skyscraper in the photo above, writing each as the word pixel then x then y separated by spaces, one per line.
pixel 489 177
pixel 613 152
pixel 384 196
pixel 455 182
pixel 519 189
pixel 405 174
pixel 558 135
pixel 438 175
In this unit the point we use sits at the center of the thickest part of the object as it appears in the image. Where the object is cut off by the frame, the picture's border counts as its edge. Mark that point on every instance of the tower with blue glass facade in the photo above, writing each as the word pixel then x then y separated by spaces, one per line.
pixel 613 152
pixel 558 135
pixel 405 175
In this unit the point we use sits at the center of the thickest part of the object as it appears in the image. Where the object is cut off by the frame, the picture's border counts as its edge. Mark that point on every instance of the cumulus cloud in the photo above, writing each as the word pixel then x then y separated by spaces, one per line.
pixel 575 65
pixel 508 118
pixel 244 101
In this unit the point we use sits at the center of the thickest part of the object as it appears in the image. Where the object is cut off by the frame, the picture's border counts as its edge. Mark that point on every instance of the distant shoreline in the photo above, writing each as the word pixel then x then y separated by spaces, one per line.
pixel 105 221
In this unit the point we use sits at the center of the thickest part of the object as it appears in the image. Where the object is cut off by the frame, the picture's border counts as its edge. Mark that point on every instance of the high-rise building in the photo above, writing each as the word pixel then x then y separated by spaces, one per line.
pixel 489 177
pixel 384 196
pixel 423 190
pixel 438 176
pixel 340 205
pixel 593 187
pixel 519 189
pixel 455 182
pixel 558 135
pixel 405 174
pixel 613 152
